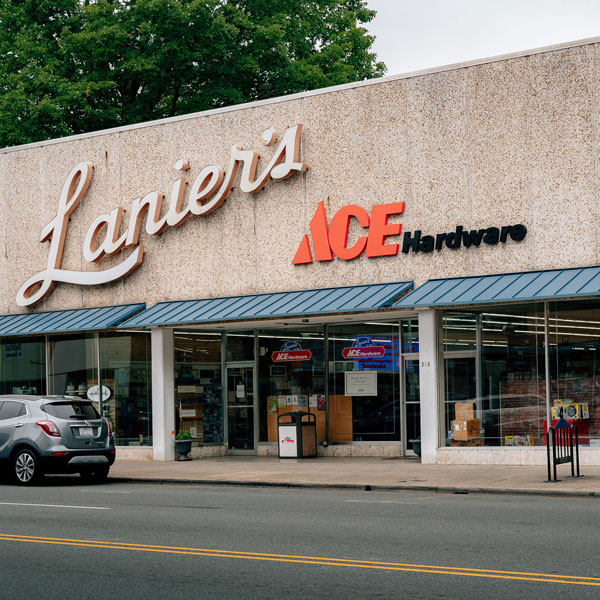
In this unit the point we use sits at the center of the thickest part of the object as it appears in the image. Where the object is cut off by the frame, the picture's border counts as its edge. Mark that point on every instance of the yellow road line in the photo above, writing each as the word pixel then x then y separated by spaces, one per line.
pixel 311 560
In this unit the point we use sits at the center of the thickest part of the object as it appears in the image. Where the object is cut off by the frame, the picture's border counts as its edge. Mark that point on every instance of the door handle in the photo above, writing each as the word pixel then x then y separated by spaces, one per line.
pixel 19 424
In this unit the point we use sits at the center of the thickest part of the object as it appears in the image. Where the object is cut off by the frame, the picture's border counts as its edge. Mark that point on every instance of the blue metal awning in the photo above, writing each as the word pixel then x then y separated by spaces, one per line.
pixel 66 321
pixel 513 287
pixel 356 298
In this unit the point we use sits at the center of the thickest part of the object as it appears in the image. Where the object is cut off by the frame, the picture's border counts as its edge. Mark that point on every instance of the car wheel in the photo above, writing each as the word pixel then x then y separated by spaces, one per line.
pixel 97 475
pixel 26 468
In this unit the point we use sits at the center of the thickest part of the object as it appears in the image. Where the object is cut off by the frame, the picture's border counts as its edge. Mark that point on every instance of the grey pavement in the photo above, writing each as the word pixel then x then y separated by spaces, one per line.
pixel 358 473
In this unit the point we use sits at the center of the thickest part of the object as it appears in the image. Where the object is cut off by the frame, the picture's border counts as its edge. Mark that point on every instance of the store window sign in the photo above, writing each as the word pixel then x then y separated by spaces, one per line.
pixel 360 383
pixel 104 238
pixel 388 361
pixel 291 351
pixel 363 347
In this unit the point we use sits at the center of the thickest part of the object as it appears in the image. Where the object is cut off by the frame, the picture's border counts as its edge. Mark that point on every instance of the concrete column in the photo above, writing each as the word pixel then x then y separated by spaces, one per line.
pixel 429 364
pixel 163 394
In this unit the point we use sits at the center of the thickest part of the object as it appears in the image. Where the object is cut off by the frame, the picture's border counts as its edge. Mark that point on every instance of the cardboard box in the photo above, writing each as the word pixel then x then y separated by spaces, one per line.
pixel 464 411
pixel 467 443
pixel 465 429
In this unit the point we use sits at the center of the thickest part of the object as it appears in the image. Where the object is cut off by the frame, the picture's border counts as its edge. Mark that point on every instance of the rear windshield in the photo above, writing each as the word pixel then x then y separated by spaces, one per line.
pixel 72 410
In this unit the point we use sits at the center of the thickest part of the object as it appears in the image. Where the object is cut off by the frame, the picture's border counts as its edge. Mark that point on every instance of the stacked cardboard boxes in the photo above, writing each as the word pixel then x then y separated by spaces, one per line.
pixel 465 427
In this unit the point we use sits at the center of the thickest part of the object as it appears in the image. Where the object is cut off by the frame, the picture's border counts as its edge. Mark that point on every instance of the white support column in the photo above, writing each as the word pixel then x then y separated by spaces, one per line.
pixel 429 385
pixel 163 394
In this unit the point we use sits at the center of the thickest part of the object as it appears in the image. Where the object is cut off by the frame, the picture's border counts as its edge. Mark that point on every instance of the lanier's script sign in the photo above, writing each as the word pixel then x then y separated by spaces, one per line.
pixel 106 234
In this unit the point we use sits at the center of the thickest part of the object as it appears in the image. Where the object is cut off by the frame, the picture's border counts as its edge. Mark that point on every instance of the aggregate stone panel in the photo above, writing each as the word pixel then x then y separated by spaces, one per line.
pixel 595 90
pixel 439 198
pixel 332 135
pixel 563 192
pixel 31 191
pixel 497 107
pixel 5 203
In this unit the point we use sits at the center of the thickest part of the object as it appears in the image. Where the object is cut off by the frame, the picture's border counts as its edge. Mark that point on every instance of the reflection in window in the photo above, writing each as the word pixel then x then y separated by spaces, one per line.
pixel 575 366
pixel 127 380
pixel 364 398
pixel 198 397
pixel 459 331
pixel 72 364
pixel 291 375
pixel 22 366
pixel 506 406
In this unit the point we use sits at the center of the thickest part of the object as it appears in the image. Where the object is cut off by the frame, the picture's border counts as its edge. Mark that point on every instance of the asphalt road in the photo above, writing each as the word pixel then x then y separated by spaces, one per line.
pixel 64 540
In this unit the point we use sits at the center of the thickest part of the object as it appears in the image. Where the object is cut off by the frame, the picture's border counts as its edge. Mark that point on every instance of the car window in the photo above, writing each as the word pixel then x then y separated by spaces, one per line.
pixel 11 409
pixel 71 410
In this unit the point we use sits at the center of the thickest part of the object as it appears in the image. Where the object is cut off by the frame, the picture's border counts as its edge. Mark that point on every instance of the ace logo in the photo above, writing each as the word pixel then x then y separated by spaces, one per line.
pixel 332 238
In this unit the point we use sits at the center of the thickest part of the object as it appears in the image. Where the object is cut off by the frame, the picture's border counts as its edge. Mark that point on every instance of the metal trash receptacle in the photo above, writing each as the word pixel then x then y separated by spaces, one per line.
pixel 297 431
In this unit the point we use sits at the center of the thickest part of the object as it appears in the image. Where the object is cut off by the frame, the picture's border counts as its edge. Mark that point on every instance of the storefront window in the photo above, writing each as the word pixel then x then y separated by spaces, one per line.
pixel 126 365
pixel 23 366
pixel 291 375
pixel 409 329
pixel 72 364
pixel 198 393
pixel 575 366
pixel 364 396
pixel 503 403
pixel 240 346
pixel 460 331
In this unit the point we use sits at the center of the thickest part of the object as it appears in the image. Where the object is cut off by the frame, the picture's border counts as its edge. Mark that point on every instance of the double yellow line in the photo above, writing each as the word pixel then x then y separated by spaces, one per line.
pixel 310 560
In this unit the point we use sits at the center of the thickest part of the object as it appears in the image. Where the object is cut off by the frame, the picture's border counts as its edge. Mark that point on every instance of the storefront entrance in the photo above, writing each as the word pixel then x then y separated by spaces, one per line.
pixel 241 408
pixel 411 429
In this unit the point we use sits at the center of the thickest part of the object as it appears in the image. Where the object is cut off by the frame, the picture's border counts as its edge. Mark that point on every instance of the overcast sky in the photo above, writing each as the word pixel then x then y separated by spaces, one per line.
pixel 420 34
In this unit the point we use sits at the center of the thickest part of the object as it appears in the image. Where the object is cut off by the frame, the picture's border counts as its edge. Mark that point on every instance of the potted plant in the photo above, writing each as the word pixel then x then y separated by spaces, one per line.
pixel 183 444
pixel 416 446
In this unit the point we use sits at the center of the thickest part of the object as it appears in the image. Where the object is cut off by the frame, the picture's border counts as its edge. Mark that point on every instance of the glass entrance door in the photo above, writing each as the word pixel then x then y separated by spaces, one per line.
pixel 412 400
pixel 240 408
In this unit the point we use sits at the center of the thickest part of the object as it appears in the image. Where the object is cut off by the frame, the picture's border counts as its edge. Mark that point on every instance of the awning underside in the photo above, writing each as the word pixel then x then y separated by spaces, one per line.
pixel 513 287
pixel 280 304
pixel 65 321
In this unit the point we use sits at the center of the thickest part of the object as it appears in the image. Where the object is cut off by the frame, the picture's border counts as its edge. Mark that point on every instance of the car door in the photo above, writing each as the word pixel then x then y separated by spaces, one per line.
pixel 12 421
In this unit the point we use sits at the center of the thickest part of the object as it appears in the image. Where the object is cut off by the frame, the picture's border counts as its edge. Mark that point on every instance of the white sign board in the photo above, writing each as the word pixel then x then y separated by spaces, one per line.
pixel 93 393
pixel 288 444
pixel 360 383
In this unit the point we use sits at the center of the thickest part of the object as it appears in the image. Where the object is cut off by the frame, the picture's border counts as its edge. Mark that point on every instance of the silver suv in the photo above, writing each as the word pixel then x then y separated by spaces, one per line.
pixel 54 434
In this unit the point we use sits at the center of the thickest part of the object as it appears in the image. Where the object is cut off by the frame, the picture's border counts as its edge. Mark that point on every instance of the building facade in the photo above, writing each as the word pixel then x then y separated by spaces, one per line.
pixel 411 259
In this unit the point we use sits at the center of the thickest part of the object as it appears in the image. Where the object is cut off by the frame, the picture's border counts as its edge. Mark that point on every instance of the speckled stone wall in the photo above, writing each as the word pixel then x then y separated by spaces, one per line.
pixel 493 144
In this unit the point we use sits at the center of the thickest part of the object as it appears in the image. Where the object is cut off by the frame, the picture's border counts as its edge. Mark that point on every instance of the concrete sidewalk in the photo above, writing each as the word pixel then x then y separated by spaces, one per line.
pixel 361 473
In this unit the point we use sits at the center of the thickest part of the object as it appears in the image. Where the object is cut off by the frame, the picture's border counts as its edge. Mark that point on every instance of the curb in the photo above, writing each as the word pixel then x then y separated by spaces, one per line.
pixel 357 486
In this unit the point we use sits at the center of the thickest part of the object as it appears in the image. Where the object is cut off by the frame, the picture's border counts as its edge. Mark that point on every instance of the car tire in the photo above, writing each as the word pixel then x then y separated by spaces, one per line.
pixel 96 475
pixel 26 467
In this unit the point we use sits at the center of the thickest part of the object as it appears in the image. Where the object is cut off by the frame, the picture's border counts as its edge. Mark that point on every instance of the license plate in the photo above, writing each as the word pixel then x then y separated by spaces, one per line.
pixel 86 432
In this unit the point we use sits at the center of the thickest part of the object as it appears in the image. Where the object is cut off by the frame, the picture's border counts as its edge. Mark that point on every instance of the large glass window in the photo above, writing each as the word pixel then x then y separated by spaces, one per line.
pixel 575 366
pixel 22 366
pixel 495 385
pixel 291 375
pixel 240 346
pixel 198 394
pixel 72 364
pixel 126 369
pixel 364 395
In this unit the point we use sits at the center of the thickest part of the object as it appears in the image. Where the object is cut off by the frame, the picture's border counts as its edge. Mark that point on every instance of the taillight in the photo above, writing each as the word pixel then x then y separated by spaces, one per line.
pixel 49 428
pixel 109 428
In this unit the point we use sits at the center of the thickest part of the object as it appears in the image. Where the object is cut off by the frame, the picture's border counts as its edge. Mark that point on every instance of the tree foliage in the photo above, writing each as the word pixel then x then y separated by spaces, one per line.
pixel 71 66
